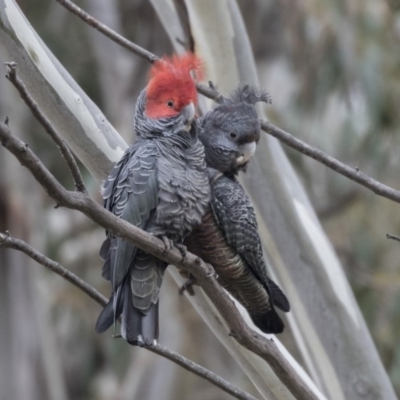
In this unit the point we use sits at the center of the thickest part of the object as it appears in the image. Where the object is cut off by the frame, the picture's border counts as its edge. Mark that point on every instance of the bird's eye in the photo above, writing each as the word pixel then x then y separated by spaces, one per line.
pixel 233 135
pixel 170 103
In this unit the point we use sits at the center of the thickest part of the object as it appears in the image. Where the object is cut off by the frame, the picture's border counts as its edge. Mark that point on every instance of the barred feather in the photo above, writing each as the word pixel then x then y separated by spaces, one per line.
pixel 228 238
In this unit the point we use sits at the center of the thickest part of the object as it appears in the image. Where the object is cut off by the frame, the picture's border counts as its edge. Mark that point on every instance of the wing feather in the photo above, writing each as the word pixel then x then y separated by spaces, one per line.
pixel 130 192
pixel 235 215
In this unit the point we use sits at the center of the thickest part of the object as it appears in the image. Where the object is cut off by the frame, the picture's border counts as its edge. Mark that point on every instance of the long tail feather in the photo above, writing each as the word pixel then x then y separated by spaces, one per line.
pixel 139 328
pixel 269 322
pixel 108 315
pixel 278 297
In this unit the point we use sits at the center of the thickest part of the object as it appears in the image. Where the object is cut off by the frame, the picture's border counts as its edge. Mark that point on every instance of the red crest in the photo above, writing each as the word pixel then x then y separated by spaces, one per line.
pixel 172 85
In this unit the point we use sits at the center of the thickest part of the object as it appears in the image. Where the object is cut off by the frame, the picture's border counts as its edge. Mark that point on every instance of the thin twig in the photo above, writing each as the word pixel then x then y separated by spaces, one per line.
pixel 18 244
pixel 8 241
pixel 208 91
pixel 394 237
pixel 201 371
pixel 352 173
pixel 105 30
pixel 285 137
pixel 31 103
pixel 254 342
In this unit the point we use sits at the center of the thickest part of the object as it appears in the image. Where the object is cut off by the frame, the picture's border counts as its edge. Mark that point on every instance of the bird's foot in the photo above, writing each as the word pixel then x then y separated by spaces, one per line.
pixel 183 249
pixel 188 286
pixel 211 272
pixel 168 243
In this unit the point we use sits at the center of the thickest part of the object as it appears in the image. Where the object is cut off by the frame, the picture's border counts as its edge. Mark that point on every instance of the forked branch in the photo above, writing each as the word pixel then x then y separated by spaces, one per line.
pixel 31 103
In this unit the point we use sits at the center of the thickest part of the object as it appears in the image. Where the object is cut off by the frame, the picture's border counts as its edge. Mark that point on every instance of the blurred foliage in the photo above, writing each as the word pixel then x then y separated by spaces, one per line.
pixel 333 70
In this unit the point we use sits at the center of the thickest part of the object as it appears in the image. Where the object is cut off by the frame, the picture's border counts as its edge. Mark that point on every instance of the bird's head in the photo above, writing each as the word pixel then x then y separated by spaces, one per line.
pixel 231 131
pixel 171 92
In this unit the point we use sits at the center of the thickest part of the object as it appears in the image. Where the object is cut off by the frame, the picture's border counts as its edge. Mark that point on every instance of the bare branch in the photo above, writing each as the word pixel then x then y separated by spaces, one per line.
pixel 31 103
pixel 105 30
pixel 352 173
pixel 201 371
pixel 8 241
pixel 209 91
pixel 254 342
pixel 394 237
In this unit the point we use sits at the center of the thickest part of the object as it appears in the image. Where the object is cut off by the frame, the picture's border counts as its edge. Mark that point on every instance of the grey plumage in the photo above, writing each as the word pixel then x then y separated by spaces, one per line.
pixel 161 186
pixel 228 237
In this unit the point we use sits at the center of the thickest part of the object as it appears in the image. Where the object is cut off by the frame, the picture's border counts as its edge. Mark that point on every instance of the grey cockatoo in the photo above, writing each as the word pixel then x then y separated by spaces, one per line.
pixel 228 237
pixel 159 185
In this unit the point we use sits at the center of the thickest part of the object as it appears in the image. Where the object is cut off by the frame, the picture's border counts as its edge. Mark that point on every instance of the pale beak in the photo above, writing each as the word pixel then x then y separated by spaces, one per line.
pixel 247 151
pixel 188 112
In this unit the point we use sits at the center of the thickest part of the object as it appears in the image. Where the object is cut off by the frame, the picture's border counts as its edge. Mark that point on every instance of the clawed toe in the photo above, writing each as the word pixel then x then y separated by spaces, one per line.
pixel 183 249
pixel 168 243
pixel 211 272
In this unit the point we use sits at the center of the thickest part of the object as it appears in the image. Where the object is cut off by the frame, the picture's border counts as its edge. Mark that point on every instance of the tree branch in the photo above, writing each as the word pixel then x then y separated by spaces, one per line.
pixel 80 201
pixel 201 371
pixel 62 146
pixel 352 173
pixel 393 237
pixel 105 30
pixel 209 91
pixel 8 241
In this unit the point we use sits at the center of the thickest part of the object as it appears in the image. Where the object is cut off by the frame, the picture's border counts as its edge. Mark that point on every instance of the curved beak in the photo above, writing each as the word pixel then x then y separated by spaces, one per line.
pixel 247 151
pixel 188 112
